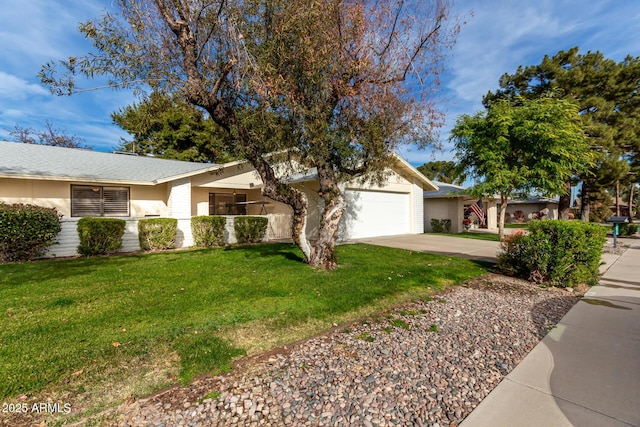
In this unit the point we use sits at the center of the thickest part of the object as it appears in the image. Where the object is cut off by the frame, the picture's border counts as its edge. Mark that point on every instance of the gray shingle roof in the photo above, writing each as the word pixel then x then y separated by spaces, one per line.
pixel 445 190
pixel 39 161
pixel 534 199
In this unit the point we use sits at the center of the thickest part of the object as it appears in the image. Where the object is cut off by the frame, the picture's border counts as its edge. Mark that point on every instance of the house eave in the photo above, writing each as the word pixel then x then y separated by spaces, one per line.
pixel 75 179
pixel 210 169
pixel 407 168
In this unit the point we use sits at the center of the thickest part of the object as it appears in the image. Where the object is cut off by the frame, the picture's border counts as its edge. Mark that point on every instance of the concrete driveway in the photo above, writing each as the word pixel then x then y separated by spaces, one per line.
pixel 456 246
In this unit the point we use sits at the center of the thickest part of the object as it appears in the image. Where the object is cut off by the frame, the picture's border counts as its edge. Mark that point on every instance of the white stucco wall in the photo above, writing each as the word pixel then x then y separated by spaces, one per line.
pixel 417 210
pixel 67 240
pixel 143 200
pixel 435 209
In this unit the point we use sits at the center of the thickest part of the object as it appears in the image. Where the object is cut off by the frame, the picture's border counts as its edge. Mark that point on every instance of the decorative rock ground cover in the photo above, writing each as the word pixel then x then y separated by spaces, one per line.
pixel 425 363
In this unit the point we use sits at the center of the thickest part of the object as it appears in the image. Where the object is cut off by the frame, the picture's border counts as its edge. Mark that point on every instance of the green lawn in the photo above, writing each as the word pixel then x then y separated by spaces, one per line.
pixel 77 328
pixel 469 235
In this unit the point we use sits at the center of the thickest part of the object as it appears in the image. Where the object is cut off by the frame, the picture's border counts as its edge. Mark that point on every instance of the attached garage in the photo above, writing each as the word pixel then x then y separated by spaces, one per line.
pixel 375 213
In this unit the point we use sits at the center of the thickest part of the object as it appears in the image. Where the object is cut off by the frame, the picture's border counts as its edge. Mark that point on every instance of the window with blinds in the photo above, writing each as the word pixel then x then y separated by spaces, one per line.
pixel 93 200
pixel 227 204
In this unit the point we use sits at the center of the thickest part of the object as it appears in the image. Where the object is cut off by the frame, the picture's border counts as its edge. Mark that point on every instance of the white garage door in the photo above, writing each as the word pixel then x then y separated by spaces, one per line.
pixel 375 213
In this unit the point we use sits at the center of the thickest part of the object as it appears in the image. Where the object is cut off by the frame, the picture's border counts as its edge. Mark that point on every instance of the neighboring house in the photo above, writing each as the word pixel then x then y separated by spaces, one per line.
pixel 623 205
pixel 89 183
pixel 533 207
pixel 451 202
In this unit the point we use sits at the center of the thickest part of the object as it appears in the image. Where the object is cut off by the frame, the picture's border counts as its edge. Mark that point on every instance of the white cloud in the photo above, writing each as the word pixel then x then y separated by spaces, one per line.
pixel 13 88
pixel 495 41
pixel 39 30
pixel 502 35
pixel 505 34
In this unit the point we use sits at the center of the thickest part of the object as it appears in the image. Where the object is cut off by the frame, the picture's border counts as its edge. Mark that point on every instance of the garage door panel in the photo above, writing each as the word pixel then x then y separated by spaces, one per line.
pixel 375 213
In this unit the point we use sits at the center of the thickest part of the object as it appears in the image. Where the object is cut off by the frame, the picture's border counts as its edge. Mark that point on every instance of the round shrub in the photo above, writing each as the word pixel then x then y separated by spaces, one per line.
pixel 26 231
pixel 440 225
pixel 100 236
pixel 559 253
pixel 157 233
pixel 250 229
pixel 208 231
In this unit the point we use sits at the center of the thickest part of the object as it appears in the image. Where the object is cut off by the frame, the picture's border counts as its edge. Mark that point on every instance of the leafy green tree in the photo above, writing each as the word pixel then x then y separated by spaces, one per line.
pixel 330 85
pixel 605 93
pixel 523 146
pixel 442 171
pixel 170 128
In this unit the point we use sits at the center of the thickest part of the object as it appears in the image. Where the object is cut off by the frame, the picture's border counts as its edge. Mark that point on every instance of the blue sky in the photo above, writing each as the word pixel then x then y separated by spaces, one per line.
pixel 499 36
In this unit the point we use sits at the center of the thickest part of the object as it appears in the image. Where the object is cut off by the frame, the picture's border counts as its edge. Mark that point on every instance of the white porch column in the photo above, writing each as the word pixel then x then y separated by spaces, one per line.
pixel 456 213
pixel 417 209
pixel 179 204
pixel 492 214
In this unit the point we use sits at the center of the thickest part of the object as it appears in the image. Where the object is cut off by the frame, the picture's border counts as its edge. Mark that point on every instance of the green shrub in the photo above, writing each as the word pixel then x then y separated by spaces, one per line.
pixel 100 236
pixel 559 253
pixel 250 229
pixel 26 231
pixel 628 229
pixel 208 231
pixel 157 233
pixel 440 225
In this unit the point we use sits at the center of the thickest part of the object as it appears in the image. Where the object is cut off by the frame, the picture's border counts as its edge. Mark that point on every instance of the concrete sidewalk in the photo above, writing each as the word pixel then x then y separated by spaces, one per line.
pixel 586 371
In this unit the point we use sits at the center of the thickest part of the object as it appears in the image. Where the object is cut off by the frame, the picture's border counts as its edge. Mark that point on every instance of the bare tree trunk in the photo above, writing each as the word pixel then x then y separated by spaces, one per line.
pixel 323 251
pixel 585 207
pixel 618 198
pixel 504 199
pixel 565 202
pixel 300 206
pixel 280 192
pixel 633 187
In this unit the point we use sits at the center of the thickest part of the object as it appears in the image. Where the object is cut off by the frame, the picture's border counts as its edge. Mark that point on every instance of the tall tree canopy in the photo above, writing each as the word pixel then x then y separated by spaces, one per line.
pixel 443 171
pixel 517 147
pixel 606 94
pixel 170 128
pixel 333 85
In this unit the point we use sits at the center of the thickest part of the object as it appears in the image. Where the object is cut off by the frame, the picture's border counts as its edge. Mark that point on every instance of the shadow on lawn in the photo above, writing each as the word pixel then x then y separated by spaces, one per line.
pixel 59 269
pixel 285 250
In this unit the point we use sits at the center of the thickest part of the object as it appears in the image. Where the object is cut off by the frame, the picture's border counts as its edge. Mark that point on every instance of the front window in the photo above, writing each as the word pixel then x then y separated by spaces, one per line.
pixel 95 200
pixel 227 204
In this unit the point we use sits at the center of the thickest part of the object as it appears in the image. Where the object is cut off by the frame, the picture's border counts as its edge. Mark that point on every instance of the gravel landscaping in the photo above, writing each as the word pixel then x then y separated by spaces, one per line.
pixel 425 363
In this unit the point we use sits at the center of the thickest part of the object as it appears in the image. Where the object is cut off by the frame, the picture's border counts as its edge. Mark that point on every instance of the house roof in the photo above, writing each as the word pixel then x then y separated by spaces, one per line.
pixel 533 199
pixel 446 190
pixel 401 166
pixel 408 169
pixel 32 161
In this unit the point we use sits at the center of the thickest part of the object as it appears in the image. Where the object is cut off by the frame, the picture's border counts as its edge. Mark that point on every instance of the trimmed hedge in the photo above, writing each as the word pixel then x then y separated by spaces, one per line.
pixel 157 233
pixel 26 231
pixel 440 225
pixel 250 229
pixel 208 231
pixel 559 253
pixel 100 236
